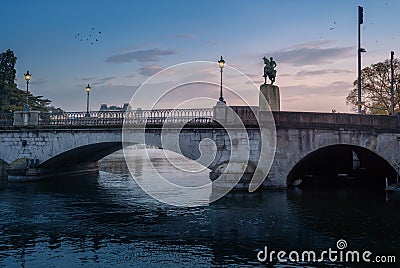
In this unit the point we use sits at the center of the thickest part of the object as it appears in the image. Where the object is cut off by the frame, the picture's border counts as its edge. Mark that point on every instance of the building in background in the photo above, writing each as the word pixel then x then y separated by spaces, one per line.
pixel 104 107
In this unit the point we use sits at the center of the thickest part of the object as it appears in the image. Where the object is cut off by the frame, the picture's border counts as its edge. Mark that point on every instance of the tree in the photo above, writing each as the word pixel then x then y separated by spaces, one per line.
pixel 7 70
pixel 11 98
pixel 375 88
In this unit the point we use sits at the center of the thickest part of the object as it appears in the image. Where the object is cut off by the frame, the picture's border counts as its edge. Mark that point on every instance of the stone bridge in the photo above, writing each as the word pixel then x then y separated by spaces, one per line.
pixel 307 145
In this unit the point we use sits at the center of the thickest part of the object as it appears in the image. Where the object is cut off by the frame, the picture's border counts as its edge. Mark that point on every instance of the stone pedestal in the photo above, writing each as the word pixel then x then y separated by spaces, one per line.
pixel 219 113
pixel 269 93
pixel 26 118
pixel 226 114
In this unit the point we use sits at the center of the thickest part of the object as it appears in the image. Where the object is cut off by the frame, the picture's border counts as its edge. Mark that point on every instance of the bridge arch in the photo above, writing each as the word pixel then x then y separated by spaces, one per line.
pixel 83 154
pixel 91 153
pixel 343 163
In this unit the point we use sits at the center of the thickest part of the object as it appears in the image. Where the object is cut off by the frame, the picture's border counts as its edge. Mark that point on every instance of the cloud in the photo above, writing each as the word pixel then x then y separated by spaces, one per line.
pixel 211 42
pixel 313 44
pixel 185 36
pixel 337 88
pixel 89 78
pixel 256 82
pixel 39 81
pixel 103 80
pixel 312 53
pixel 342 84
pixel 254 79
pixel 150 70
pixel 307 73
pixel 322 72
pixel 316 98
pixel 287 75
pixel 146 55
pixel 97 81
pixel 253 76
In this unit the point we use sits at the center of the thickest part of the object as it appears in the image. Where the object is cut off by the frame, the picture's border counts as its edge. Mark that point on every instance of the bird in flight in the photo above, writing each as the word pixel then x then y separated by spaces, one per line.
pixel 92 37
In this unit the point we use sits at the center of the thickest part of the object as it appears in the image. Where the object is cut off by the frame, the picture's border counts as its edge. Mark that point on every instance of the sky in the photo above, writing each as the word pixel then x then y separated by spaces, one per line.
pixel 116 46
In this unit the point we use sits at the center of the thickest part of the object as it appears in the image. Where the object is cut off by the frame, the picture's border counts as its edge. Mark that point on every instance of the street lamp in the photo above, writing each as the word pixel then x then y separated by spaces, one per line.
pixel 392 82
pixel 88 88
pixel 221 64
pixel 359 51
pixel 27 78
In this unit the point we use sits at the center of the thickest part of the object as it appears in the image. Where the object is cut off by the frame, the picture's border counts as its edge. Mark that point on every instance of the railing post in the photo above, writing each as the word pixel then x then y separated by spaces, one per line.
pixel 26 118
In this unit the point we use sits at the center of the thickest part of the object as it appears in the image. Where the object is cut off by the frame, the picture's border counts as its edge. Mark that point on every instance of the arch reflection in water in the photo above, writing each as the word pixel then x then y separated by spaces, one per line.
pixel 107 220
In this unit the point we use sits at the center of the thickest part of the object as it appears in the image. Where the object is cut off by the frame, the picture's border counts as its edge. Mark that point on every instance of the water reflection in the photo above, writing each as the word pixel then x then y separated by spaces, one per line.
pixel 363 217
pixel 107 220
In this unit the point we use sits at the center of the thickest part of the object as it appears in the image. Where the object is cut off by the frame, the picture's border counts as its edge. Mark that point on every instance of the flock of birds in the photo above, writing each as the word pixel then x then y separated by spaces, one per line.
pixel 334 25
pixel 93 36
pixel 332 28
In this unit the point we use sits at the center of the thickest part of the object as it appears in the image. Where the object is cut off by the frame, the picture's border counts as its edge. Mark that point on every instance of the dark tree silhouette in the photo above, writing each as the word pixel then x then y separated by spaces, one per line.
pixel 375 84
pixel 11 98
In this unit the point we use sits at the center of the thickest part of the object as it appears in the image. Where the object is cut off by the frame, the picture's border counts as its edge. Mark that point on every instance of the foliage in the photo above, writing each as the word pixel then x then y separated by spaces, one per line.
pixel 11 98
pixel 375 88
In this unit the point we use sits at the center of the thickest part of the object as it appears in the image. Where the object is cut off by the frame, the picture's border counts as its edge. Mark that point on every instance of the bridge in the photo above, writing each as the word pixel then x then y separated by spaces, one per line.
pixel 308 145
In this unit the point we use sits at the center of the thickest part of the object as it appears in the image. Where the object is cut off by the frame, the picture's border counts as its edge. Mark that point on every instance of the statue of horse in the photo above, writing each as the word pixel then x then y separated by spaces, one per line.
pixel 269 69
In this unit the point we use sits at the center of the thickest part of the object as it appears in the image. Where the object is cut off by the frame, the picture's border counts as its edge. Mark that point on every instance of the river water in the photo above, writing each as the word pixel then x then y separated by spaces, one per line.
pixel 106 220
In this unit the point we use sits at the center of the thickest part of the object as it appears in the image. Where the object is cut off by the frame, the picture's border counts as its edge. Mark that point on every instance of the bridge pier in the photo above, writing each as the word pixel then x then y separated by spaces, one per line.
pixel 239 175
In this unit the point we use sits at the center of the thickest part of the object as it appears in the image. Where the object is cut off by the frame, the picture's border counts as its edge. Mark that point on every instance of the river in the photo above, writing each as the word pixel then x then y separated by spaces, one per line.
pixel 106 220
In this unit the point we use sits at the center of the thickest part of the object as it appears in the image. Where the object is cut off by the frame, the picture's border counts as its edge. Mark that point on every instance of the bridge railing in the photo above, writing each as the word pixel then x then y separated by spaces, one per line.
pixel 201 115
pixel 81 118
pixel 6 119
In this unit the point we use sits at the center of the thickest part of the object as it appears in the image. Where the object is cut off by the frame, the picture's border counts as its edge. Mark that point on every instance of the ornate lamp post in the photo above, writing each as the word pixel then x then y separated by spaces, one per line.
pixel 221 64
pixel 27 78
pixel 88 88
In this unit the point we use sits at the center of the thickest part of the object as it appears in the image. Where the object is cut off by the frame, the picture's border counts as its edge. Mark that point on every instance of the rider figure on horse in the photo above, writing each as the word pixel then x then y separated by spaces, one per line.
pixel 269 69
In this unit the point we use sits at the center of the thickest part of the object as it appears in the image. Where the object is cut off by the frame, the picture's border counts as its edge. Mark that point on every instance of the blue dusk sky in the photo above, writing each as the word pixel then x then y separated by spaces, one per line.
pixel 313 42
